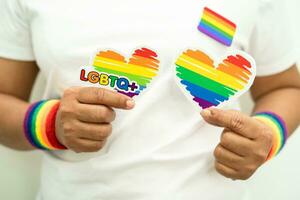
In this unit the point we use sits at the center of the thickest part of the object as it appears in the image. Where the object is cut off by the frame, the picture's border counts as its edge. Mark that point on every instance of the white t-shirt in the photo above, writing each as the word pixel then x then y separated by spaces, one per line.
pixel 161 149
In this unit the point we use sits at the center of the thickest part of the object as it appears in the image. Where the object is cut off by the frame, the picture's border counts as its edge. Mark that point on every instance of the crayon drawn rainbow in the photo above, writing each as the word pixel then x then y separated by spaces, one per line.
pixel 217 27
pixel 141 68
pixel 211 86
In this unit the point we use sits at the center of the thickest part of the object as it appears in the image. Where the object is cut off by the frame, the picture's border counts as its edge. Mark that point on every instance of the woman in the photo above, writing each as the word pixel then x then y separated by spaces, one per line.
pixel 158 146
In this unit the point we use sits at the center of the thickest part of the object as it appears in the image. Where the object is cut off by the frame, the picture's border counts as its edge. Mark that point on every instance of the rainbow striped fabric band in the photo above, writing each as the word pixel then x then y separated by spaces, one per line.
pixel 217 27
pixel 280 130
pixel 39 125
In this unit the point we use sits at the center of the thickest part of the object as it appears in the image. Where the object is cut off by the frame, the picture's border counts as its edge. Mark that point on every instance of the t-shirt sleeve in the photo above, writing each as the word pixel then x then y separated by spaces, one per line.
pixel 15 36
pixel 272 43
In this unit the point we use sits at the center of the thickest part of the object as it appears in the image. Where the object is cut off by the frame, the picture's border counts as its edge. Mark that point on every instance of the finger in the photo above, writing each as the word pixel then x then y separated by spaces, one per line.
pixel 95 113
pixel 228 158
pixel 226 171
pixel 233 120
pixel 95 132
pixel 236 143
pixel 100 96
pixel 83 145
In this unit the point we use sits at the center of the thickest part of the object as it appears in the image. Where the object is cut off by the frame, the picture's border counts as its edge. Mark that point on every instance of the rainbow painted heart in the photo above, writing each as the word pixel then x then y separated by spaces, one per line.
pixel 110 69
pixel 209 86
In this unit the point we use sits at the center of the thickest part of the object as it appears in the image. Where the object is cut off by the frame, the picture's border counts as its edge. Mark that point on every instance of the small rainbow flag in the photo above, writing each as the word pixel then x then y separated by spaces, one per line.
pixel 217 27
pixel 208 85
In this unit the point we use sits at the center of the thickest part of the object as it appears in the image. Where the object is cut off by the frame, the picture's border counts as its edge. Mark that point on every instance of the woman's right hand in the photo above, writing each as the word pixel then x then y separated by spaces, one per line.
pixel 83 121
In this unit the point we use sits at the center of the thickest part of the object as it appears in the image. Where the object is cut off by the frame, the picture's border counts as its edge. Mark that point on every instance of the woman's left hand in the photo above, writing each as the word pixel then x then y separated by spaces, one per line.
pixel 244 145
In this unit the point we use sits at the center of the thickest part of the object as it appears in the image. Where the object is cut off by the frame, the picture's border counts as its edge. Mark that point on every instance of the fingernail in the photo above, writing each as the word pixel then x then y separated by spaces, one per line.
pixel 205 113
pixel 130 104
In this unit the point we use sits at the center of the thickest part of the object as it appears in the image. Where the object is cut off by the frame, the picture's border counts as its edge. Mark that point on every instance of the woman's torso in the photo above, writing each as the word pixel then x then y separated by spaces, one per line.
pixel 162 149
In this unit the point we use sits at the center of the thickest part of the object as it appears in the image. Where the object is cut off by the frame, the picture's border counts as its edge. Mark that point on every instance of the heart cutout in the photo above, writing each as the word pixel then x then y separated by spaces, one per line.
pixel 209 86
pixel 109 69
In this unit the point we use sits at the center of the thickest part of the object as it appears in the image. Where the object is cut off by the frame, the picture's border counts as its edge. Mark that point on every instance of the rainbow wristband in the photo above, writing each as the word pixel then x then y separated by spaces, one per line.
pixel 279 129
pixel 39 125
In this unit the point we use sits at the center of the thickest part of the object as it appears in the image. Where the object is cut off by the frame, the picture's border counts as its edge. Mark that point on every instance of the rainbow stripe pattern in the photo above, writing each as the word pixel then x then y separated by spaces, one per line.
pixel 208 85
pixel 141 68
pixel 217 27
pixel 39 125
pixel 279 129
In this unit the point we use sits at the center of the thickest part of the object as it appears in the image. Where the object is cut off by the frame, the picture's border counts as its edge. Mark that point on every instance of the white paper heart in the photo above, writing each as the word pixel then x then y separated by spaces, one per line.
pixel 109 69
pixel 208 85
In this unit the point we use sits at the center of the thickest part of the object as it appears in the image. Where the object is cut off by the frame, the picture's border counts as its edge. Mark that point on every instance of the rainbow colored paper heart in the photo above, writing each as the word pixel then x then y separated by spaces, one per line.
pixel 209 86
pixel 110 70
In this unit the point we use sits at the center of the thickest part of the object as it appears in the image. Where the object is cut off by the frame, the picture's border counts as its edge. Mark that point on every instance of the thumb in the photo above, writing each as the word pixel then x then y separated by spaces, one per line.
pixel 214 117
pixel 233 120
